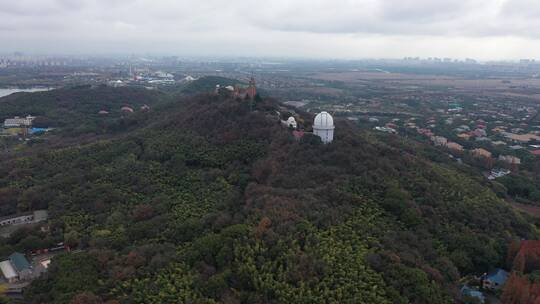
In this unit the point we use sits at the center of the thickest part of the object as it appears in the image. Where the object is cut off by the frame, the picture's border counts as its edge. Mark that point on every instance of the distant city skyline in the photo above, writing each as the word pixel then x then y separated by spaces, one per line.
pixel 61 57
pixel 326 29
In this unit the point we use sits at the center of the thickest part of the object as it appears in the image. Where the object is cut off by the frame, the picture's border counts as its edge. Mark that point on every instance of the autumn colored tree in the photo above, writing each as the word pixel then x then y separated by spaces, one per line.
pixel 513 250
pixel 534 293
pixel 519 262
pixel 516 290
pixel 86 298
pixel 264 225
pixel 524 256
pixel 143 212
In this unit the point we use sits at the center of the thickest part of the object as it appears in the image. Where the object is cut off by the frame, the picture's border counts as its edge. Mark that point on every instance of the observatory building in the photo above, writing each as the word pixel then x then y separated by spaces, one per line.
pixel 323 126
pixel 291 123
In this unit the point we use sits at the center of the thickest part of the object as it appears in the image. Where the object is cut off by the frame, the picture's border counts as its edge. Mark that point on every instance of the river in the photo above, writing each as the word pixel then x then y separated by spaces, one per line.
pixel 6 92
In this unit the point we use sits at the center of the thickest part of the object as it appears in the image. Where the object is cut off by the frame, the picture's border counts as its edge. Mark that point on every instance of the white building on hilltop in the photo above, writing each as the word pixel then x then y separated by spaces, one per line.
pixel 323 126
pixel 291 123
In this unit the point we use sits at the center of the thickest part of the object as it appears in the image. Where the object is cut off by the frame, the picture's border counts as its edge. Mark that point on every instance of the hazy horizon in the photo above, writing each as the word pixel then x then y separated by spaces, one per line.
pixel 341 29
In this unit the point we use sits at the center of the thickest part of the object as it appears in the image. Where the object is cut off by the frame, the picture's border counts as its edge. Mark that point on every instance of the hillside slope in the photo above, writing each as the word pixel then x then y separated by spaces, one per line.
pixel 217 203
pixel 207 84
pixel 74 110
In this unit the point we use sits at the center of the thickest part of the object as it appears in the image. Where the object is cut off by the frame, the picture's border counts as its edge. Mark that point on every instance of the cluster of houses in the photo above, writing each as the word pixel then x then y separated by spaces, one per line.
pixel 504 133
pixel 21 126
pixel 16 268
pixel 480 135
pixel 389 127
pixel 464 132
pixel 441 141
pixel 125 110
pixel 480 125
pixel 385 129
pixel 498 172
pixel 144 76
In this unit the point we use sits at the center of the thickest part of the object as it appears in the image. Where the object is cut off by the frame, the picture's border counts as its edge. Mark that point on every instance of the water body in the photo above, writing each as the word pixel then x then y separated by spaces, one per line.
pixel 6 92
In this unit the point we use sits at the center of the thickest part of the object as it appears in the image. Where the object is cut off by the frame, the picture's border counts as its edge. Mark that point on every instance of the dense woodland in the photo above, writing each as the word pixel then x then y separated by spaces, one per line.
pixel 74 111
pixel 208 199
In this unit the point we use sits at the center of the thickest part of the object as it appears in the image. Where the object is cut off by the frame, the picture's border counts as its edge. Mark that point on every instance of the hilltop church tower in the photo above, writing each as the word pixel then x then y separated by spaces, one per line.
pixel 251 91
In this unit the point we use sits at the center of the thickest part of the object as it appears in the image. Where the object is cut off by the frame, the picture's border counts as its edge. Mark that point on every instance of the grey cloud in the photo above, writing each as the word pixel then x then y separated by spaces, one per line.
pixel 471 18
pixel 520 9
pixel 273 27
pixel 31 7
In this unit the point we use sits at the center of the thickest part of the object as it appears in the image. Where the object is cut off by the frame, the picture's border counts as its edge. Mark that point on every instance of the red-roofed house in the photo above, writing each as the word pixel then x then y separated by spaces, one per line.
pixel 479 133
pixel 425 132
pixel 298 134
pixel 481 153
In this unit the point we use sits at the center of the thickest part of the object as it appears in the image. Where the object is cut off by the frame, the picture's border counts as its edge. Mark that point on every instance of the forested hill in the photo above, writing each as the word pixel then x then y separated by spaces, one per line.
pixel 216 202
pixel 207 84
pixel 75 110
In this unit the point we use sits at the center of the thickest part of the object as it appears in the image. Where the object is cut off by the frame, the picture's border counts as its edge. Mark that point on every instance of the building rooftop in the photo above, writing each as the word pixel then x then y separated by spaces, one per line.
pixel 323 120
pixel 7 270
pixel 6 217
pixel 470 292
pixel 39 215
pixel 498 276
pixel 521 137
pixel 481 152
pixel 19 261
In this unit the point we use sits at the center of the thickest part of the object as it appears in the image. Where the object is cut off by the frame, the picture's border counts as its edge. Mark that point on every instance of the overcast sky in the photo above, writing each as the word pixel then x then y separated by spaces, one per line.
pixel 483 29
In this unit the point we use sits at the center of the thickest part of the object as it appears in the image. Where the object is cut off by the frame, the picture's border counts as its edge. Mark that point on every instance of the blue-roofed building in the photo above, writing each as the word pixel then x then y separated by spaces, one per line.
pixel 495 279
pixel 19 261
pixel 21 265
pixel 38 130
pixel 471 295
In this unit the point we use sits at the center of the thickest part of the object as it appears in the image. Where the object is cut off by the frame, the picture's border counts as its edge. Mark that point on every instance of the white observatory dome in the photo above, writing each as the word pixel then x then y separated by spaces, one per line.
pixel 323 126
pixel 324 120
pixel 291 122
